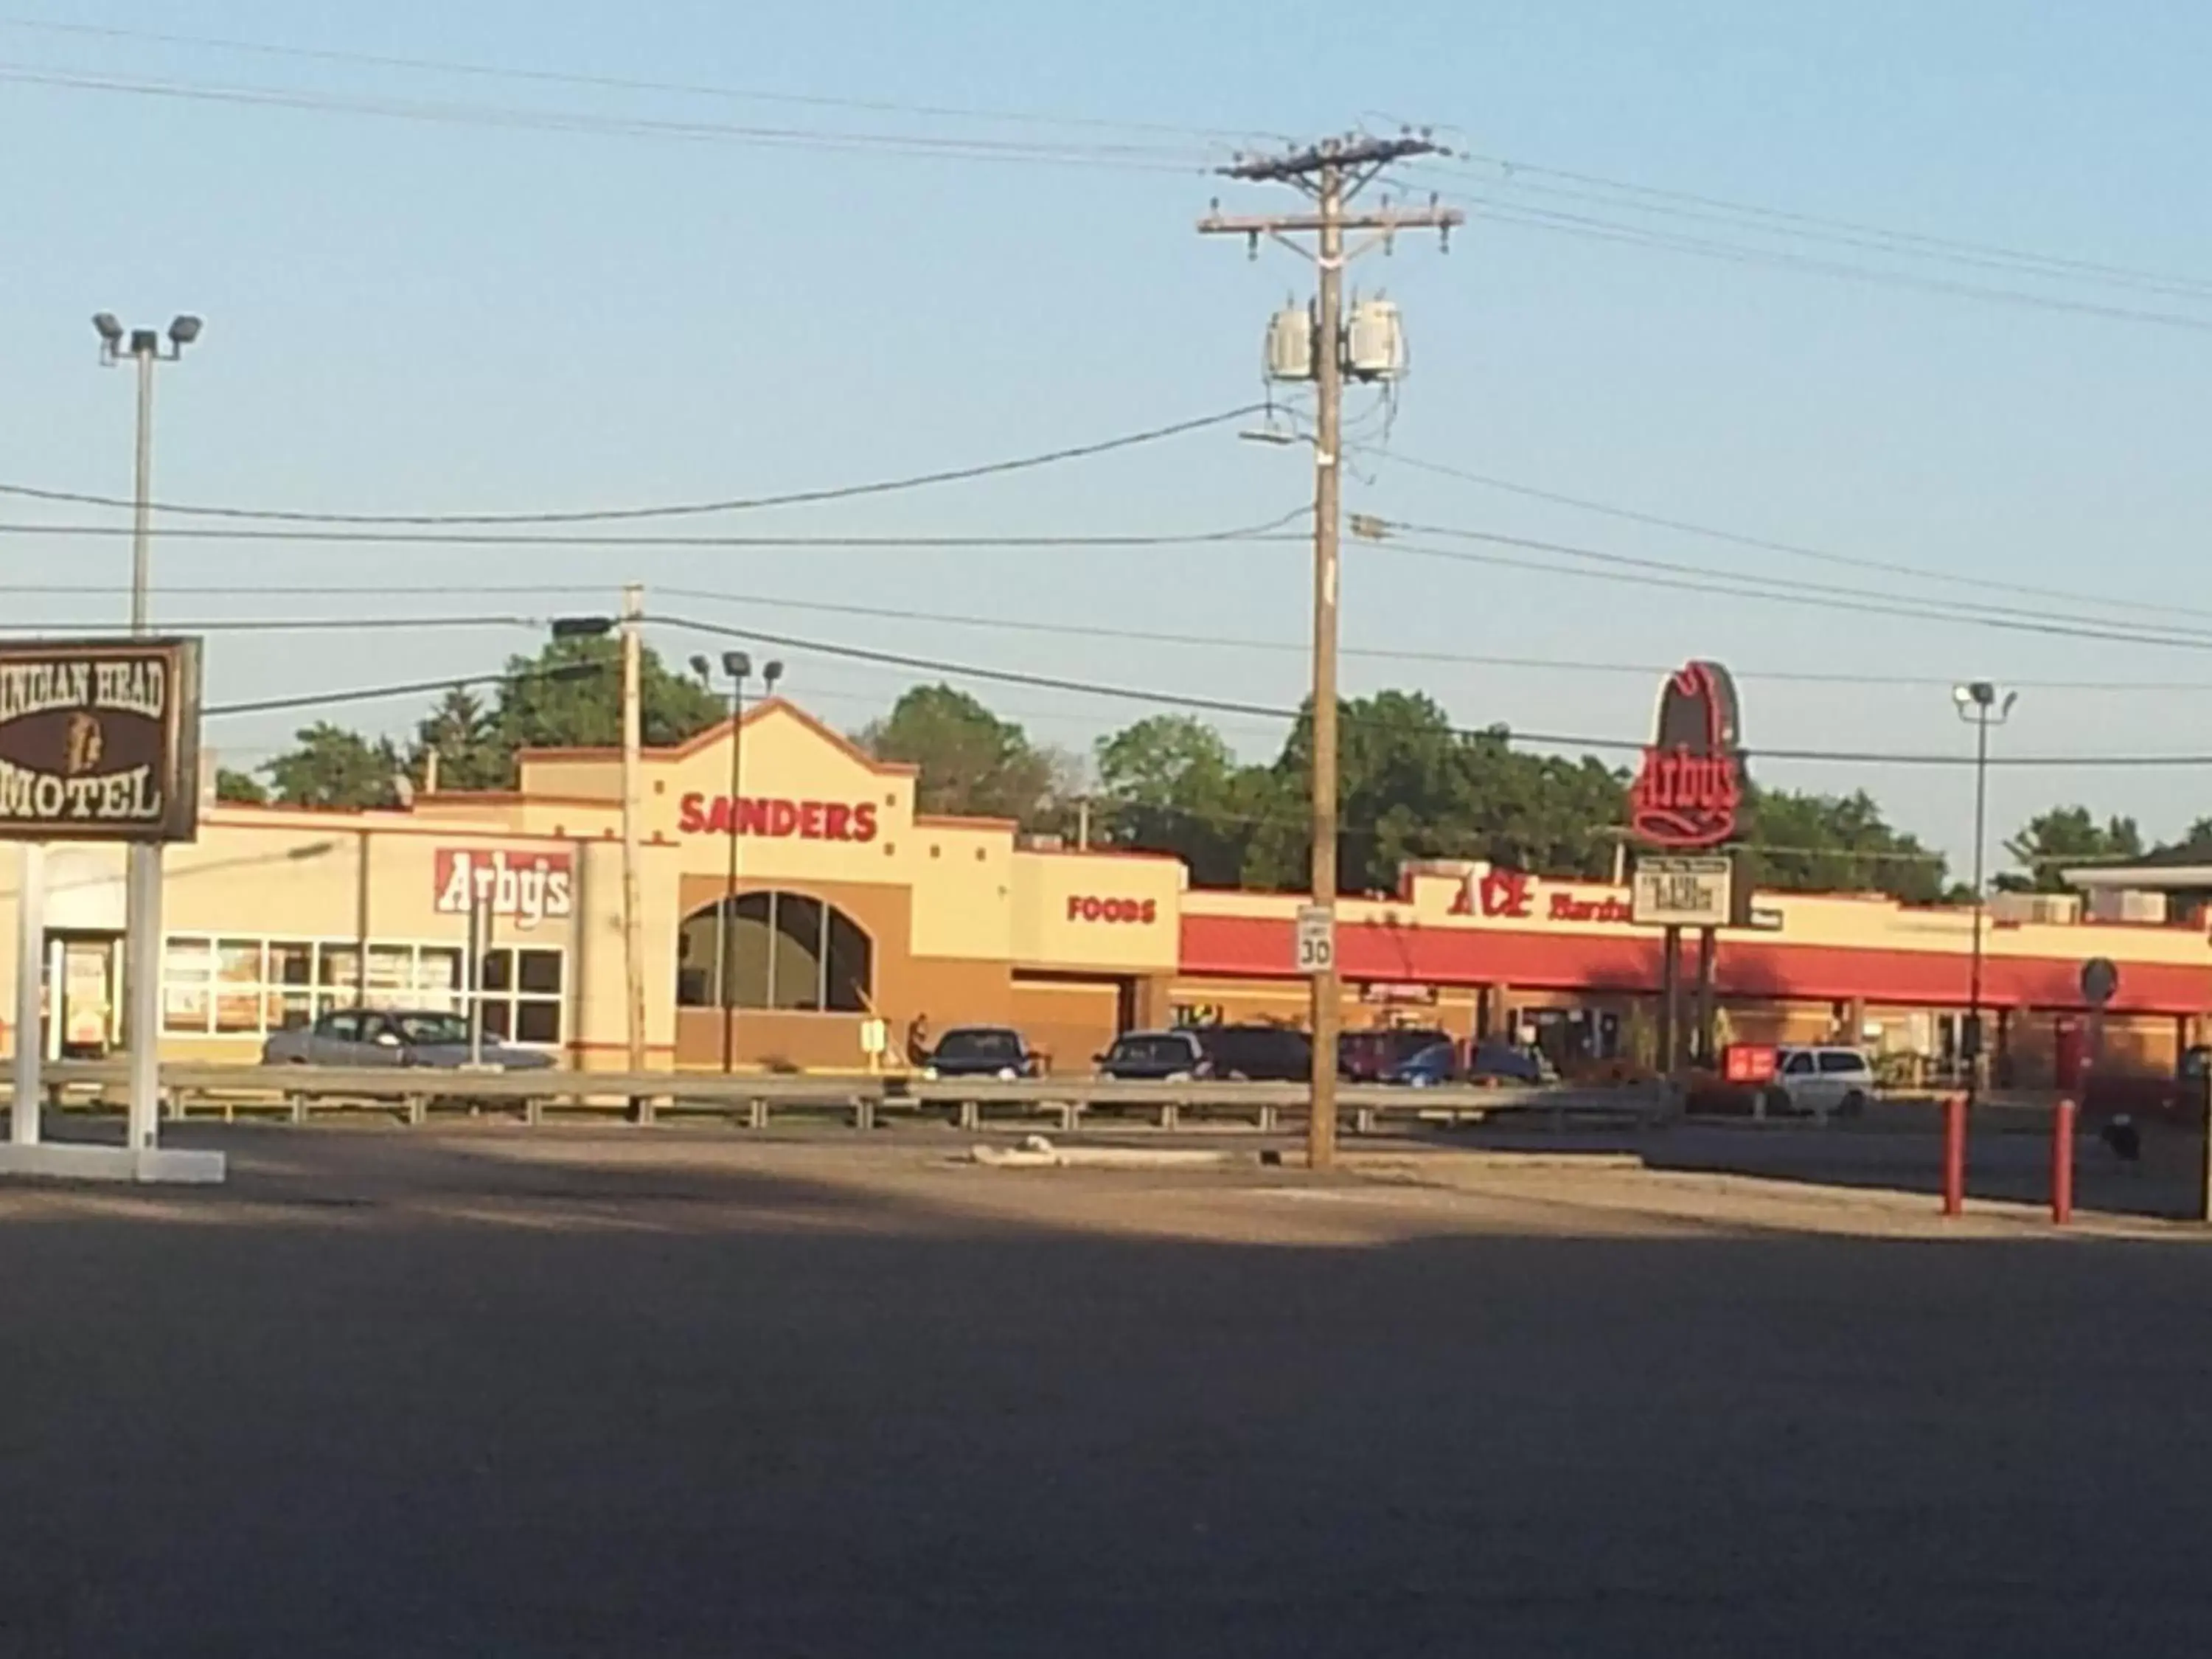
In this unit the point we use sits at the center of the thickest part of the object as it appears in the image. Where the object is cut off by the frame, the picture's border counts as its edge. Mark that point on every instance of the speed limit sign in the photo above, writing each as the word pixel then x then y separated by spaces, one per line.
pixel 1317 939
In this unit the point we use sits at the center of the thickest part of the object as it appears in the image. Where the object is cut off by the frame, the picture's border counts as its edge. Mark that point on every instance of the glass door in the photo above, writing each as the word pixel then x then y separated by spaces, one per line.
pixel 83 1002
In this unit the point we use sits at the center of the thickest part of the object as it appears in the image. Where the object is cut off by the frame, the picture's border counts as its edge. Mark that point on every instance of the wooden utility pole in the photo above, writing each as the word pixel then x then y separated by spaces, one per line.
pixel 1333 173
pixel 633 745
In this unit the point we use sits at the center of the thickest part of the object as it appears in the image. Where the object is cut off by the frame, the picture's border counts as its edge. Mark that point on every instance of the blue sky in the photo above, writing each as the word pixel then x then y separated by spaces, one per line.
pixel 409 315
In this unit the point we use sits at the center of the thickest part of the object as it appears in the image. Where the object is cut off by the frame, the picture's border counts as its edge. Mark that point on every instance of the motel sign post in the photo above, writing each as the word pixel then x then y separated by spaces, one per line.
pixel 99 742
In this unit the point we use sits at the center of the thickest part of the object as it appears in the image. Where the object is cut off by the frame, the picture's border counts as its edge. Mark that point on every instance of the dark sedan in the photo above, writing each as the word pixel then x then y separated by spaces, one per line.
pixel 393 1037
pixel 1155 1057
pixel 995 1051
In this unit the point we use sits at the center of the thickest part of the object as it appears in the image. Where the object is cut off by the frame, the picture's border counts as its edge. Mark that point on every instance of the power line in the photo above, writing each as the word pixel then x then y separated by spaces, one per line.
pixel 1473 660
pixel 1605 230
pixel 1765 544
pixel 402 689
pixel 1454 659
pixel 1730 585
pixel 290 624
pixel 1498 733
pixel 1514 173
pixel 738 504
pixel 1146 159
pixel 615 83
pixel 1252 532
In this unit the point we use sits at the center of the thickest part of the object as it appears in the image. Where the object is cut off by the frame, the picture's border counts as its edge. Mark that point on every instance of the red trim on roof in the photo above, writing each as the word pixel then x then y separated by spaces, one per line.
pixel 1251 947
pixel 708 737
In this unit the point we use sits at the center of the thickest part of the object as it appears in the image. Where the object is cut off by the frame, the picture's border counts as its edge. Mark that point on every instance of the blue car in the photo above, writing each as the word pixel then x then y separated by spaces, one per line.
pixel 1429 1067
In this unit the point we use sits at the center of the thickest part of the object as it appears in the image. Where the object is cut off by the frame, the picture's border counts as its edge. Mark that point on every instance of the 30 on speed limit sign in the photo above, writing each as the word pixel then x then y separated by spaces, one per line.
pixel 1317 939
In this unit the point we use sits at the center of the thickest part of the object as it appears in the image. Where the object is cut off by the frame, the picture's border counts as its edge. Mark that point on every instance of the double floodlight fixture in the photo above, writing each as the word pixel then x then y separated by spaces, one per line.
pixel 117 342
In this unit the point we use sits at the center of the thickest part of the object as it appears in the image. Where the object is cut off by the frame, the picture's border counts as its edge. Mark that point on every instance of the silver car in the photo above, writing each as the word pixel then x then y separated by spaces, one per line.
pixel 392 1036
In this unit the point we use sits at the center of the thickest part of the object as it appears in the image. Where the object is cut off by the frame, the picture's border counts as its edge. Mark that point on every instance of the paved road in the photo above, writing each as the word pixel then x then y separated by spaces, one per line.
pixel 590 1394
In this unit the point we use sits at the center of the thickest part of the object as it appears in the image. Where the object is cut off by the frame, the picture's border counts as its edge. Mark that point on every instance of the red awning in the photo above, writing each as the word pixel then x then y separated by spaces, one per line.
pixel 1261 948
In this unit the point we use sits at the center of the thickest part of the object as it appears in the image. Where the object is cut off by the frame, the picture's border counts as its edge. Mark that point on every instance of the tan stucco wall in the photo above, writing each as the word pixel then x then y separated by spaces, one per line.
pixel 1112 911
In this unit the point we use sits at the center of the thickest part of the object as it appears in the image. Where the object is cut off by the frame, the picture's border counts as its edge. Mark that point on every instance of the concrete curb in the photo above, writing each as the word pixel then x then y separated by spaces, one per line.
pixel 1037 1152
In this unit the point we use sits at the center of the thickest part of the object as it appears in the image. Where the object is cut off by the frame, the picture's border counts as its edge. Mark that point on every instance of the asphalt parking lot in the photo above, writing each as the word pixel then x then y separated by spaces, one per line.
pixel 600 1392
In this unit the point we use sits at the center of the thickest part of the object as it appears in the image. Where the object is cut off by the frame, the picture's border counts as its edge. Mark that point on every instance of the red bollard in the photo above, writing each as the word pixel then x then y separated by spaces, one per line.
pixel 1955 1154
pixel 2062 1165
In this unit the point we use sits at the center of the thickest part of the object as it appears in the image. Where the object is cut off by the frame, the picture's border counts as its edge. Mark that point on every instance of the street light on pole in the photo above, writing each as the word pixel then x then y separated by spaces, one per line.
pixel 738 666
pixel 1981 705
pixel 142 950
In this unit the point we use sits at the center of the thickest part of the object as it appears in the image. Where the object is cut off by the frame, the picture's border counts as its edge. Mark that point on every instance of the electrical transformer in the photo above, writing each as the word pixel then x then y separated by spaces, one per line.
pixel 1374 341
pixel 1291 344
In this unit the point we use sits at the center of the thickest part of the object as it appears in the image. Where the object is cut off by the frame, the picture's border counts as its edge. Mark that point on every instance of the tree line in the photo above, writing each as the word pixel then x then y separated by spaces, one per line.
pixel 1413 786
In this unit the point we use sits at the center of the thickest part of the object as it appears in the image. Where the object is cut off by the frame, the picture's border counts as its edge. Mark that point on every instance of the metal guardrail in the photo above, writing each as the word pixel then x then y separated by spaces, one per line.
pixel 299 1092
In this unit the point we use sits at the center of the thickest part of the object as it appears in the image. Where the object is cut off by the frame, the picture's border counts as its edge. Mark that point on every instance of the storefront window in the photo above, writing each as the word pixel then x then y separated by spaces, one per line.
pixel 187 986
pixel 238 986
pixel 246 988
pixel 787 951
pixel 522 994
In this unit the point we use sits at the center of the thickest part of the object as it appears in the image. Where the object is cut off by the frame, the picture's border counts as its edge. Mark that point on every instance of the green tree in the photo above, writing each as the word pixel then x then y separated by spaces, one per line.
pixel 334 767
pixel 464 733
pixel 1808 842
pixel 1172 785
pixel 1413 787
pixel 2050 841
pixel 240 788
pixel 2199 834
pixel 569 696
pixel 972 762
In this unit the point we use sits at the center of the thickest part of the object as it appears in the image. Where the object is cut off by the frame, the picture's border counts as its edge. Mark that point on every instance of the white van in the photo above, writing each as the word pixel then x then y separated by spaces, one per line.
pixel 1823 1081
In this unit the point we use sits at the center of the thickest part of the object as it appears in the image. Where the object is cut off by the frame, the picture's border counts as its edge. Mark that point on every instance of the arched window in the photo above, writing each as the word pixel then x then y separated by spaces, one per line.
pixel 775 951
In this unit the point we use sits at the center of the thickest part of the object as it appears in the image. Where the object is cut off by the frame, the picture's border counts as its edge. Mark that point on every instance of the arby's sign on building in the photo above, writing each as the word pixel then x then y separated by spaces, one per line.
pixel 524 887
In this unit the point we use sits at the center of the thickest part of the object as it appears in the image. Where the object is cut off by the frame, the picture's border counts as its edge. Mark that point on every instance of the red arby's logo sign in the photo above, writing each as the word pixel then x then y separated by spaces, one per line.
pixel 1691 785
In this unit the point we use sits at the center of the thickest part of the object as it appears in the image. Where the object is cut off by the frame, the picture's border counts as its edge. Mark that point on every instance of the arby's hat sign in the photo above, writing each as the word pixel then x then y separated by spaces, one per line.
pixel 1691 788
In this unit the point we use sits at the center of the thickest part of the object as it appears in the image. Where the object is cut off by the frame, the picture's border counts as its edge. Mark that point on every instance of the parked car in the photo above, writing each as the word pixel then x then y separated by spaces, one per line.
pixel 1256 1054
pixel 392 1036
pixel 1371 1056
pixel 1495 1061
pixel 992 1051
pixel 1155 1056
pixel 1821 1079
pixel 1430 1067
pixel 2176 1096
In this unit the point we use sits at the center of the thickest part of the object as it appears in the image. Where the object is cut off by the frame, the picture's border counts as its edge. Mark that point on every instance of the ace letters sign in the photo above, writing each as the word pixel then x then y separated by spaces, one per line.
pixel 99 741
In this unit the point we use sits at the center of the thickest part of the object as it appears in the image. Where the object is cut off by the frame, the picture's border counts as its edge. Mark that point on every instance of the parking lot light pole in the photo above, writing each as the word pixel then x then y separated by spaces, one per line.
pixel 1981 706
pixel 738 666
pixel 142 949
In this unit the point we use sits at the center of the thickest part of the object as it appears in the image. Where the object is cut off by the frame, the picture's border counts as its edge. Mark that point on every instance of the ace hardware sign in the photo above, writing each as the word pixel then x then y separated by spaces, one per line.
pixel 100 740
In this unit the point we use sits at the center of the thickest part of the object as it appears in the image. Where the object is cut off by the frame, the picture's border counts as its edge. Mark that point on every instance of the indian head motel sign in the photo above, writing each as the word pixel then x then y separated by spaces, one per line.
pixel 99 741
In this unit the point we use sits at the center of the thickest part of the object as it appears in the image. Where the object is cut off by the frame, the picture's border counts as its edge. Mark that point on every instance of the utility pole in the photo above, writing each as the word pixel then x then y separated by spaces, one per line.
pixel 1333 173
pixel 633 746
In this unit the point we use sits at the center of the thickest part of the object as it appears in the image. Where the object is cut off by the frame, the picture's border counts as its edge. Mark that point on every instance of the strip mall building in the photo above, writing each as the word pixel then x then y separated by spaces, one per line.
pixel 849 904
